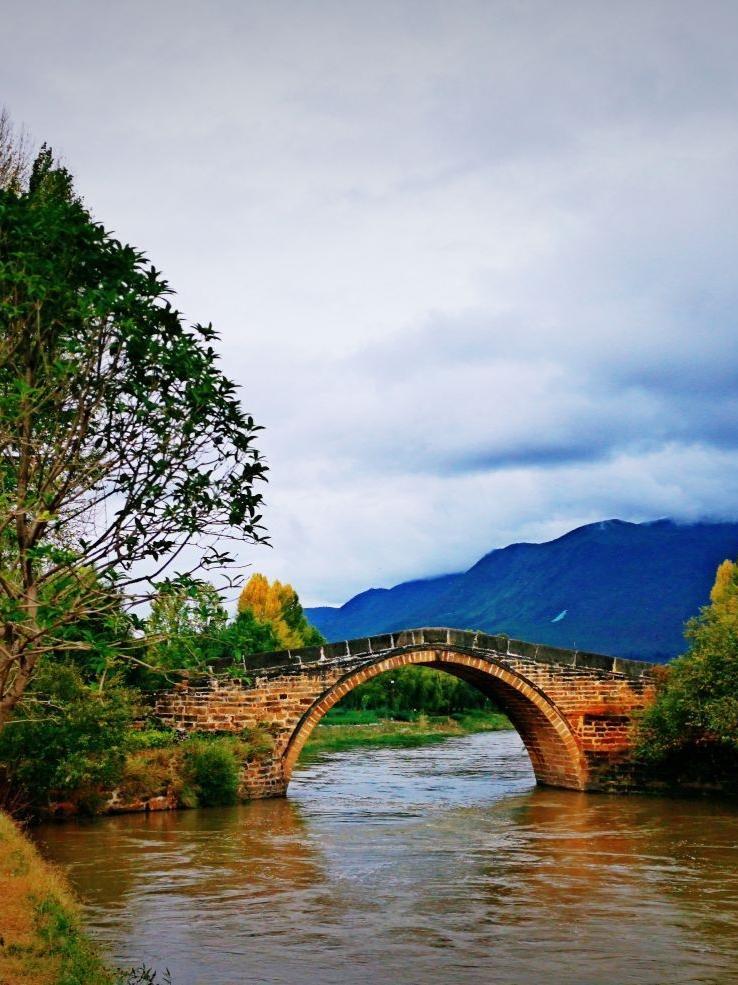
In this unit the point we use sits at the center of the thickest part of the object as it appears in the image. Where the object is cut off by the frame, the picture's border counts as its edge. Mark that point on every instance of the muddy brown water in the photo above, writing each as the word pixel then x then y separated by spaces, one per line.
pixel 441 864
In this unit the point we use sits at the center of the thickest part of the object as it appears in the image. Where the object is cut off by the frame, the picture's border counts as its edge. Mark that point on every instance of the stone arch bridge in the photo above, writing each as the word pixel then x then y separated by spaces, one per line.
pixel 573 710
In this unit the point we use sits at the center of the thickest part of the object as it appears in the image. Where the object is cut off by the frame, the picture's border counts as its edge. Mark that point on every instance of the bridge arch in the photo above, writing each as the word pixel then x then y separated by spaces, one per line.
pixel 554 752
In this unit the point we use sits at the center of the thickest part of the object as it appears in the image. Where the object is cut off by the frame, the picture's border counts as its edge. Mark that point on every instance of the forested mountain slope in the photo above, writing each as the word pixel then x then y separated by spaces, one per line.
pixel 614 587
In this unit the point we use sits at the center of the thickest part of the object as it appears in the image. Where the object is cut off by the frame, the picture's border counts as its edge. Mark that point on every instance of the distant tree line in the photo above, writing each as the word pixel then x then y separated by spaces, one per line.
pixel 415 689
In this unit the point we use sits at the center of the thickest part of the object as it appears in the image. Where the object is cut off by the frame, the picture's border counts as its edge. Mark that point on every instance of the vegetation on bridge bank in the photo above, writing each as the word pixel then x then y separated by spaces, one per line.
pixel 688 739
pixel 76 737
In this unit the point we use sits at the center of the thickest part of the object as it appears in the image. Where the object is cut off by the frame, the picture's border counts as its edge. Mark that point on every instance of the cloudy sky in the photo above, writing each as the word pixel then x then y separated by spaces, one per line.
pixel 474 263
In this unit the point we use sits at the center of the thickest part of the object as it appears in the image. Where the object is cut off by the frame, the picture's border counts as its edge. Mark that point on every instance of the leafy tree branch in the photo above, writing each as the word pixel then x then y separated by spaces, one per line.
pixel 122 443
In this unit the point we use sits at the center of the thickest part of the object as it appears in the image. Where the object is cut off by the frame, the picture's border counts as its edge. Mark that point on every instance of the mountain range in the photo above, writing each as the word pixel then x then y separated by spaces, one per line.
pixel 613 587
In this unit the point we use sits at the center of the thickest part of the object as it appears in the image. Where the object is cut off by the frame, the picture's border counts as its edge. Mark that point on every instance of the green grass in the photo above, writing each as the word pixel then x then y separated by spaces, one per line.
pixel 354 716
pixel 348 729
pixel 61 936
pixel 44 942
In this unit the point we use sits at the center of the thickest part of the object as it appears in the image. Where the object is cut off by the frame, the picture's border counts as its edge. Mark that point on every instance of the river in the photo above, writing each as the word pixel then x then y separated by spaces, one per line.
pixel 440 864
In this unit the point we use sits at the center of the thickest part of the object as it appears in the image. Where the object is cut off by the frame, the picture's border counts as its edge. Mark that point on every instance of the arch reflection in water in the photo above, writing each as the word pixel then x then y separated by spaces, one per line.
pixel 425 865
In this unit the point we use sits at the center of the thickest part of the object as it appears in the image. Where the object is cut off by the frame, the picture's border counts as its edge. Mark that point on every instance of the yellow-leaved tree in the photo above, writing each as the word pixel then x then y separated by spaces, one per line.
pixel 279 606
pixel 724 596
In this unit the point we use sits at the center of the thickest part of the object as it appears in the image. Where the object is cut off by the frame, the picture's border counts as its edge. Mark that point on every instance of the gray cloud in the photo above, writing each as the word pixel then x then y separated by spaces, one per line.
pixel 473 263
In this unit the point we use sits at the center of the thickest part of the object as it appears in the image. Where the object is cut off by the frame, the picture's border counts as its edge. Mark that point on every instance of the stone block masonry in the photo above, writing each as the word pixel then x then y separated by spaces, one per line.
pixel 574 710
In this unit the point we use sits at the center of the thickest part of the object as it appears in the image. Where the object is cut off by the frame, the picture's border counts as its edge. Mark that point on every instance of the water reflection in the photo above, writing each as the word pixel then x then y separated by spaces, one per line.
pixel 418 866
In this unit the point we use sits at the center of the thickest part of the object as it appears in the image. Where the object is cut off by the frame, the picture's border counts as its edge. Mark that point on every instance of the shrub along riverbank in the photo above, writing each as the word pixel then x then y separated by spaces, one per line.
pixel 164 771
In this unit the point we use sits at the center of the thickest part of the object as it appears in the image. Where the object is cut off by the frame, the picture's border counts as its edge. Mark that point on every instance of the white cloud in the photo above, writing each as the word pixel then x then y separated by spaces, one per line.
pixel 473 263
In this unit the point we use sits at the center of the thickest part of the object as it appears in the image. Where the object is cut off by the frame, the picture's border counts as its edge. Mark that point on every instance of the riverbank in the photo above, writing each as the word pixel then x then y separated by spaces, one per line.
pixel 163 772
pixel 42 941
pixel 341 730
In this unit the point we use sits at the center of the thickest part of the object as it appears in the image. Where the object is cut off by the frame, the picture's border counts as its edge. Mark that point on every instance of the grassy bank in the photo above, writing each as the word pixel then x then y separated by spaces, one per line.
pixel 346 729
pixel 41 937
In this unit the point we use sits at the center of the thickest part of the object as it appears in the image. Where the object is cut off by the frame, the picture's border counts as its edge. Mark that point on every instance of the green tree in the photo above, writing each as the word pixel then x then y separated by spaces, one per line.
pixel 269 618
pixel 66 737
pixel 101 645
pixel 186 625
pixel 245 635
pixel 189 629
pixel 278 605
pixel 696 706
pixel 123 447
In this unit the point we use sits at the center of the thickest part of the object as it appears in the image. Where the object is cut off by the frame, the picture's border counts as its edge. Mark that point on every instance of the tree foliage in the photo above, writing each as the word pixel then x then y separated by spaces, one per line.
pixel 123 447
pixel 66 737
pixel 279 606
pixel 697 700
pixel 185 626
pixel 189 629
pixel 14 155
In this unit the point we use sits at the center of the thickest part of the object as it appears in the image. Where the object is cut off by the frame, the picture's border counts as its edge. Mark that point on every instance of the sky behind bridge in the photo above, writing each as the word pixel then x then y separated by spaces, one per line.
pixel 474 263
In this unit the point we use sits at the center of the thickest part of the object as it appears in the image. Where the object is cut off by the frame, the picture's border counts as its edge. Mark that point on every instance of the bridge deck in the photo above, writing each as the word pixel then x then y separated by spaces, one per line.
pixel 462 639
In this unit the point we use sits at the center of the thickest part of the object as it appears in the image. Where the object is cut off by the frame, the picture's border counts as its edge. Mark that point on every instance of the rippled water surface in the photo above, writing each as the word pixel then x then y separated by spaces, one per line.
pixel 442 864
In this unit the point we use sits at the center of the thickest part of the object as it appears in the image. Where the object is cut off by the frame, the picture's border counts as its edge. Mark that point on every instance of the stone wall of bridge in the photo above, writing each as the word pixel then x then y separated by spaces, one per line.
pixel 573 710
